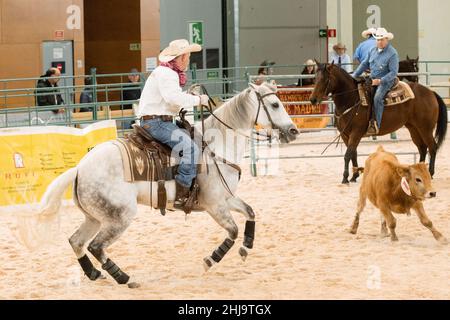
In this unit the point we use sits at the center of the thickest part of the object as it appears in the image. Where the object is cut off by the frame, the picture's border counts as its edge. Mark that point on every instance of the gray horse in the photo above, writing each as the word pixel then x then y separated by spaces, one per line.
pixel 110 204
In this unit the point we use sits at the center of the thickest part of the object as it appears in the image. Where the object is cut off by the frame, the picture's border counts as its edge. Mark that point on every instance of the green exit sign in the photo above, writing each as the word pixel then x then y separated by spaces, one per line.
pixel 212 74
pixel 196 32
pixel 323 33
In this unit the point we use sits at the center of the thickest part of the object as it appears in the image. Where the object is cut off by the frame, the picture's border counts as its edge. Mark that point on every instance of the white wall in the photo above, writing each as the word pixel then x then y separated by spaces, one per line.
pixel 434 25
pixel 434 40
pixel 344 24
pixel 175 15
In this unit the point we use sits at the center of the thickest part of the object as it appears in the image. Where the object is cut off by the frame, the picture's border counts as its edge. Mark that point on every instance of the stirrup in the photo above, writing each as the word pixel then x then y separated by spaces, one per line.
pixel 372 130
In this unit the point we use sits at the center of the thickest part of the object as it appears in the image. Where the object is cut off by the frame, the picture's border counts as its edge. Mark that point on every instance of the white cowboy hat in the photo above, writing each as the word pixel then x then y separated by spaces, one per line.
pixel 382 33
pixel 177 48
pixel 369 32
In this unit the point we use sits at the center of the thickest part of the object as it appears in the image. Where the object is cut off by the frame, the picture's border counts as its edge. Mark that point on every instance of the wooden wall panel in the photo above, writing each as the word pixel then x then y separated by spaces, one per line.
pixel 108 36
pixel 150 30
pixel 24 25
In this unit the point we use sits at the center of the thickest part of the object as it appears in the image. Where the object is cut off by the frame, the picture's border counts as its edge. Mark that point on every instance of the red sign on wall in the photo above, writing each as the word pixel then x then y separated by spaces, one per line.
pixel 59 35
pixel 332 33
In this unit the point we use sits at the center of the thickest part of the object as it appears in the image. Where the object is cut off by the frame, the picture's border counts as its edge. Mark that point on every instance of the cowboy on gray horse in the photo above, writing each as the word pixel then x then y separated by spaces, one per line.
pixel 383 63
pixel 161 100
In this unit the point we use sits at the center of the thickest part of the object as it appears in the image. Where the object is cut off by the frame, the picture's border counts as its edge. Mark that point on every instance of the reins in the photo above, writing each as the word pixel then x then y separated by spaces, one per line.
pixel 213 156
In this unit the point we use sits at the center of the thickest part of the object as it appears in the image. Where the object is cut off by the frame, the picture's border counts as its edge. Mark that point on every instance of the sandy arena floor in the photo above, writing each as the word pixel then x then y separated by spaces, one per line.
pixel 302 249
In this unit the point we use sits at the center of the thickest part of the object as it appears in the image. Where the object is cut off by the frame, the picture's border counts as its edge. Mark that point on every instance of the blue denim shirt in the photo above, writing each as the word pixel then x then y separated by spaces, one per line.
pixel 383 65
pixel 364 48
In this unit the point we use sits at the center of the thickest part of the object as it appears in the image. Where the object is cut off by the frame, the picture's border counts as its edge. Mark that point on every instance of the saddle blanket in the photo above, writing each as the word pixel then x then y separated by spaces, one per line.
pixel 137 164
pixel 400 93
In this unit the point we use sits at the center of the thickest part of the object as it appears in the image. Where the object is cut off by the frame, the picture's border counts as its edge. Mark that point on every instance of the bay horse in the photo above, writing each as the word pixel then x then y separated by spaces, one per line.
pixel 409 65
pixel 420 116
pixel 109 203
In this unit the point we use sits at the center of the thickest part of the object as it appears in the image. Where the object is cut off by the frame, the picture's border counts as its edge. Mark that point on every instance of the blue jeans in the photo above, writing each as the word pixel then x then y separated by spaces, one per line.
pixel 381 92
pixel 179 140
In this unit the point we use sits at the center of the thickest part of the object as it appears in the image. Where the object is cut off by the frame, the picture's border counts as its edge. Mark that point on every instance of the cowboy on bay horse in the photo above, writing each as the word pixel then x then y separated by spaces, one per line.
pixel 383 62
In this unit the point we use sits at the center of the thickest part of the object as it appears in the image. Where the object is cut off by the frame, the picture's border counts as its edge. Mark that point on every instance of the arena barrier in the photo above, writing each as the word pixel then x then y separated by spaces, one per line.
pixel 17 97
pixel 254 145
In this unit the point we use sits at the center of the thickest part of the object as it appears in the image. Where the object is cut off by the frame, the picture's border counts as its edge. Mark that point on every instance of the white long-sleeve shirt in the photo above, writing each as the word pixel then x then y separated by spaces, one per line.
pixel 345 59
pixel 162 94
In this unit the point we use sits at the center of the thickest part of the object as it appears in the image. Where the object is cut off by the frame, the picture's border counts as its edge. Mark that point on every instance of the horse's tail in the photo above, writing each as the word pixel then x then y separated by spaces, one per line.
pixel 52 198
pixel 441 128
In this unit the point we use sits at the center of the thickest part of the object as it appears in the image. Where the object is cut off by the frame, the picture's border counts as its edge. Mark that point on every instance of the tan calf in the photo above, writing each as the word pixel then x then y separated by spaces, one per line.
pixel 382 184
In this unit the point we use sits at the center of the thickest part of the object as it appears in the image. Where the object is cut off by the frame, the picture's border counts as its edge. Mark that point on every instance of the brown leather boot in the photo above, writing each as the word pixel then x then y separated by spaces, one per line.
pixel 181 196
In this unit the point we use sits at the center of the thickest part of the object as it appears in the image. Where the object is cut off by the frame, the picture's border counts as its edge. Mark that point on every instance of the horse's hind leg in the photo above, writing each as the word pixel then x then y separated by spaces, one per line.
pixel 426 136
pixel 78 240
pixel 418 141
pixel 249 233
pixel 109 233
pixel 223 217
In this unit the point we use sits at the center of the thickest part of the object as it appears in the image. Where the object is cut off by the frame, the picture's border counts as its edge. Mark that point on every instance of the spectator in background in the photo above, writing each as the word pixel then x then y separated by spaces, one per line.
pixel 309 69
pixel 362 51
pixel 341 58
pixel 132 92
pixel 47 92
pixel 266 69
pixel 87 96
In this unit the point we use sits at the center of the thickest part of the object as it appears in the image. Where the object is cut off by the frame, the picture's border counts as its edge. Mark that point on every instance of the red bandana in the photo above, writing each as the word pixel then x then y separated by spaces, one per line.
pixel 181 74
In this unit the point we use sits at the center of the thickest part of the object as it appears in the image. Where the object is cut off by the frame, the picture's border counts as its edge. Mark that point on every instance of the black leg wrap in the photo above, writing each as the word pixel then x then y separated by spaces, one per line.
pixel 220 252
pixel 115 272
pixel 89 270
pixel 249 234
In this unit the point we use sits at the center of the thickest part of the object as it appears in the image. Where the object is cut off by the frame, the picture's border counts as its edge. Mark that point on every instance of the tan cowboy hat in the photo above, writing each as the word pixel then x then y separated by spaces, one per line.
pixel 310 63
pixel 369 32
pixel 177 48
pixel 382 33
pixel 339 46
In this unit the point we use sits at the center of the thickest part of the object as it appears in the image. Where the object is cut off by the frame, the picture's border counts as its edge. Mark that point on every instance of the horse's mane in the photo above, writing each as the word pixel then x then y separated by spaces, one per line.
pixel 233 112
pixel 341 72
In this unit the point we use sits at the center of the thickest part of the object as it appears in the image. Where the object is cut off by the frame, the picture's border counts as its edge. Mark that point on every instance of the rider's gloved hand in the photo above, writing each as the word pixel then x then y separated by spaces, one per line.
pixel 204 99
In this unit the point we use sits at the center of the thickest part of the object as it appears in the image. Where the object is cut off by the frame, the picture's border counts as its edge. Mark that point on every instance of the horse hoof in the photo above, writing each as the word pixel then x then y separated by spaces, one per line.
pixel 96 275
pixel 207 263
pixel 134 285
pixel 346 182
pixel 443 240
pixel 243 253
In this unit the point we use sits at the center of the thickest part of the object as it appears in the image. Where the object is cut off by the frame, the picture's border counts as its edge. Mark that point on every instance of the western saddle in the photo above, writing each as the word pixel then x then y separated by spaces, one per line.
pixel 159 156
pixel 399 93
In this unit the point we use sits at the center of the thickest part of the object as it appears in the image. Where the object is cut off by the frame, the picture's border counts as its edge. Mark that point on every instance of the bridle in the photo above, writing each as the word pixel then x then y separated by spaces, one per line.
pixel 357 105
pixel 261 104
pixel 205 147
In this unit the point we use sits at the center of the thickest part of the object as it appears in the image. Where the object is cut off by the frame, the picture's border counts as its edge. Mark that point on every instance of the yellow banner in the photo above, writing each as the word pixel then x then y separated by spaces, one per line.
pixel 31 157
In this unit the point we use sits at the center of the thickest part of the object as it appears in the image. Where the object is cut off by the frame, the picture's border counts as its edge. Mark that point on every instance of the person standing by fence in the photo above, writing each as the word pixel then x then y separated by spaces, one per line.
pixel 48 94
pixel 340 58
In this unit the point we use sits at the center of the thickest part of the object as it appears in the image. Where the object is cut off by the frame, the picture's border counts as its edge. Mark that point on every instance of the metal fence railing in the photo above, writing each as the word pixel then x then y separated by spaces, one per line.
pixel 18 105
